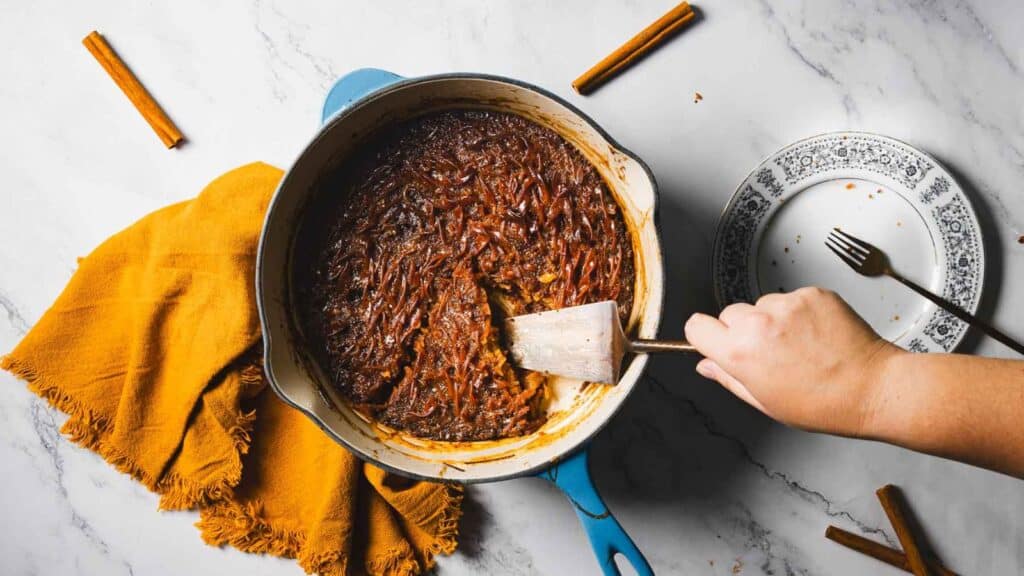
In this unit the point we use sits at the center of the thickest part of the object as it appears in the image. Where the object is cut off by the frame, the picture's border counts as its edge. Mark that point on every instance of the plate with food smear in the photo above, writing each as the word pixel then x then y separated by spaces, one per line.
pixel 771 235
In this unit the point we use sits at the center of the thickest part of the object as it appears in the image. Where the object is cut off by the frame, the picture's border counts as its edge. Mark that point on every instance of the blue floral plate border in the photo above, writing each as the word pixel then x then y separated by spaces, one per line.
pixel 917 176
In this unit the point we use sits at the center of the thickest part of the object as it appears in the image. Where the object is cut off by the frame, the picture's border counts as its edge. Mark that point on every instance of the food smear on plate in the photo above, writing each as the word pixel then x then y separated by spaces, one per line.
pixel 414 250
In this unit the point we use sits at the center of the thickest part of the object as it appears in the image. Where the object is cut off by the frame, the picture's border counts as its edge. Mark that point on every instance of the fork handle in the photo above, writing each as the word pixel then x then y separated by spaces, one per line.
pixel 638 346
pixel 961 313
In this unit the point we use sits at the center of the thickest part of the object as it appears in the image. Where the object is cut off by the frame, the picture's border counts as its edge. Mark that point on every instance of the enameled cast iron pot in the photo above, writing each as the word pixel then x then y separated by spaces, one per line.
pixel 358 105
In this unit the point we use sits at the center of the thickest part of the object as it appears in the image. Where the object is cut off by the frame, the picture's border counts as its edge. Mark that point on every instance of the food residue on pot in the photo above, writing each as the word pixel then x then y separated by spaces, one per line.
pixel 434 232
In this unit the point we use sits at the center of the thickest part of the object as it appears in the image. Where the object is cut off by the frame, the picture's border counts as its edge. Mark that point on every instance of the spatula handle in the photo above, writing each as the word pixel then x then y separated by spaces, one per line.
pixel 648 346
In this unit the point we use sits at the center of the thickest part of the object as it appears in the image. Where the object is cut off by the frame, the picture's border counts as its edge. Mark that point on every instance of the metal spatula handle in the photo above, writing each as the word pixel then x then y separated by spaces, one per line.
pixel 654 346
pixel 583 342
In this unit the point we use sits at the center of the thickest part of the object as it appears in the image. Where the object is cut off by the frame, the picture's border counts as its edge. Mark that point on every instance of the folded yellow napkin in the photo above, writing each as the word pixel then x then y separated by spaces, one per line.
pixel 153 351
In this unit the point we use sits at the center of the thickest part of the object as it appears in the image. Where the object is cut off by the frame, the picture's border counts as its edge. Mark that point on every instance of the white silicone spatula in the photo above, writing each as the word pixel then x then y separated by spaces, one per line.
pixel 583 342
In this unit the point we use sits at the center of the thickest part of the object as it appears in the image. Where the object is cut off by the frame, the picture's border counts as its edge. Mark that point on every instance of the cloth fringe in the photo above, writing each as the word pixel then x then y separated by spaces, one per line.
pixel 242 526
pixel 448 526
pixel 241 432
pixel 394 562
pixel 89 430
pixel 222 519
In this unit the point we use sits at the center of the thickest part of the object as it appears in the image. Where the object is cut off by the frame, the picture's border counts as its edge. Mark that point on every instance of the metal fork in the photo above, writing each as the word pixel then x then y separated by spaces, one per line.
pixel 868 260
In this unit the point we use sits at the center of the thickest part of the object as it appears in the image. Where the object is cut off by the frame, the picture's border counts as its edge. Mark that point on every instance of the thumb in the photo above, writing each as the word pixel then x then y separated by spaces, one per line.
pixel 710 369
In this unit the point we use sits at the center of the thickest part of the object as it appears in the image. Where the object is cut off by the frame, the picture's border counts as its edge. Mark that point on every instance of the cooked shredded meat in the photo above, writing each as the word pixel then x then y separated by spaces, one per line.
pixel 412 250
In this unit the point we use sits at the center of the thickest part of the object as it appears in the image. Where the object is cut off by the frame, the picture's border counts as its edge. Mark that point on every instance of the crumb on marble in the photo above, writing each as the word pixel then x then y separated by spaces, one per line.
pixel 879 191
pixel 1020 240
pixel 850 186
pixel 697 97
pixel 737 567
pixel 774 263
pixel 896 318
pixel 871 196
pixel 898 223
pixel 786 249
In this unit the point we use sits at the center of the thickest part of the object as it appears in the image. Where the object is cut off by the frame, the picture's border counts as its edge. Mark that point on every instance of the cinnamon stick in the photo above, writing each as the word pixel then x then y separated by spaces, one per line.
pixel 133 89
pixel 892 503
pixel 639 45
pixel 880 552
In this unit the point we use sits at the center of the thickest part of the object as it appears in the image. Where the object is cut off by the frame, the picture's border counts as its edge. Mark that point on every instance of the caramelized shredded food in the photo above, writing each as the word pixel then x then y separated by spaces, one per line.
pixel 412 250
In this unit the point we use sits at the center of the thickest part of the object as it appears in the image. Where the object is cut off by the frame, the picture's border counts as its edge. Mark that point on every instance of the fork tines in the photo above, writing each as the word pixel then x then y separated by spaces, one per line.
pixel 849 249
pixel 850 241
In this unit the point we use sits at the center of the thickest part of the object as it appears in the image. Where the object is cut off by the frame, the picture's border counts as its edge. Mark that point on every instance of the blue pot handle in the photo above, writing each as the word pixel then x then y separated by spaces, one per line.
pixel 572 476
pixel 353 86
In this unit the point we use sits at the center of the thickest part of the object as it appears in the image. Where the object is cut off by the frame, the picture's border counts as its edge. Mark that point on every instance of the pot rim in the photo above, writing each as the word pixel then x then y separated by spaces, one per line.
pixel 353 108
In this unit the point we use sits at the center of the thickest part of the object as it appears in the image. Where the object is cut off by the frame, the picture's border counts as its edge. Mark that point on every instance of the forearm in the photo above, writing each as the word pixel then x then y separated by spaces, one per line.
pixel 962 407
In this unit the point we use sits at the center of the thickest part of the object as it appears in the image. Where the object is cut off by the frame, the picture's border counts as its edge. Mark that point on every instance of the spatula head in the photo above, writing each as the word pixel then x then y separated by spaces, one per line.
pixel 583 342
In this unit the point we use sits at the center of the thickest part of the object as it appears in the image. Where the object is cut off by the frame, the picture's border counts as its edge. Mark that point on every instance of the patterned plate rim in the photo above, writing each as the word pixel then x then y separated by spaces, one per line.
pixel 891 159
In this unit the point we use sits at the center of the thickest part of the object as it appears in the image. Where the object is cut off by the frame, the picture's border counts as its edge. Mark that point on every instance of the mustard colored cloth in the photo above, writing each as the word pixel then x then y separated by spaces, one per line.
pixel 153 349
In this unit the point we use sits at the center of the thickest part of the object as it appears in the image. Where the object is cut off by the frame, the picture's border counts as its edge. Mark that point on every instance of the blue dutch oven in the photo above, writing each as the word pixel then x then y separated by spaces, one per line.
pixel 357 106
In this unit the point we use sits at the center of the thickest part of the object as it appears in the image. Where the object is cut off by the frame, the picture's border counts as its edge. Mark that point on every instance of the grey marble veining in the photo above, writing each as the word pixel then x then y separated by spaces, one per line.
pixel 703 483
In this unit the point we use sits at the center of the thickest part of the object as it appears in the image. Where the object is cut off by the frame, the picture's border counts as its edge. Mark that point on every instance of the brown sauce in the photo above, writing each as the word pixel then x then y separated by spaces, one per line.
pixel 413 249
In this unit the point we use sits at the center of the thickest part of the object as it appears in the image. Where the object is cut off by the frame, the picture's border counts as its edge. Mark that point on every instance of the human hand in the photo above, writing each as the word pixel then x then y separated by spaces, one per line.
pixel 803 358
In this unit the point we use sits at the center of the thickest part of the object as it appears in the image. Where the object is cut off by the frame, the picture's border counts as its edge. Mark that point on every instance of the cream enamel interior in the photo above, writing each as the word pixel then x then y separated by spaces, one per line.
pixel 577 411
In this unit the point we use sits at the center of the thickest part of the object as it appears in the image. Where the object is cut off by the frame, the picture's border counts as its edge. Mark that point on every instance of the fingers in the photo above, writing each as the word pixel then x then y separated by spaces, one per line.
pixel 710 369
pixel 734 312
pixel 707 333
pixel 717 337
pixel 813 292
pixel 774 300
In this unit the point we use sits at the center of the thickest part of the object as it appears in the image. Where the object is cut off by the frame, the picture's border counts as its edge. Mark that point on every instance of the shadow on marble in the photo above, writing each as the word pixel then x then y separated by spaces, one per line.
pixel 920 530
pixel 679 437
pixel 473 525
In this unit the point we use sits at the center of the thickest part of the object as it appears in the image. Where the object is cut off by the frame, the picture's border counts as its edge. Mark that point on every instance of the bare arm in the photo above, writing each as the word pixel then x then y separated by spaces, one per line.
pixel 962 407
pixel 807 360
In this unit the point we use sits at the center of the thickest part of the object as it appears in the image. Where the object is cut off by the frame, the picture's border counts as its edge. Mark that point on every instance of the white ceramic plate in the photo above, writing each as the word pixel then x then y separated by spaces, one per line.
pixel 771 236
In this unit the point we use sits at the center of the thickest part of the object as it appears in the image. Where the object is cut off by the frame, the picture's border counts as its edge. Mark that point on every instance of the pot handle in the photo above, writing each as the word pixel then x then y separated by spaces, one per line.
pixel 607 538
pixel 353 86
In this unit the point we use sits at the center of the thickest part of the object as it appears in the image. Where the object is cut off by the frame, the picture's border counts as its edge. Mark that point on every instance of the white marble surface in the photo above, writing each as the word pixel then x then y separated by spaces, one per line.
pixel 704 484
